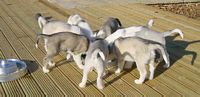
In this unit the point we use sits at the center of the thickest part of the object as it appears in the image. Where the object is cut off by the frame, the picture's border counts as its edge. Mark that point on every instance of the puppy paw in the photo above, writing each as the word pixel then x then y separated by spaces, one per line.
pixel 36 45
pixel 81 66
pixel 69 57
pixel 166 66
pixel 82 85
pixel 52 64
pixel 45 70
pixel 118 71
pixel 104 74
pixel 150 78
pixel 100 86
pixel 138 81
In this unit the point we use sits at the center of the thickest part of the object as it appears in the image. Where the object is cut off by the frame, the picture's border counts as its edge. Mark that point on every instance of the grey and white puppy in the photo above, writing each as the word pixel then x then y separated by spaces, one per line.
pixel 55 26
pixel 72 43
pixel 96 57
pixel 77 20
pixel 143 32
pixel 141 51
pixel 109 27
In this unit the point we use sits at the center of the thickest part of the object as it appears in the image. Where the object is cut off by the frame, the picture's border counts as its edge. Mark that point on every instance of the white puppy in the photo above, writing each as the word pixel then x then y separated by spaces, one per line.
pixel 95 58
pixel 142 52
pixel 79 21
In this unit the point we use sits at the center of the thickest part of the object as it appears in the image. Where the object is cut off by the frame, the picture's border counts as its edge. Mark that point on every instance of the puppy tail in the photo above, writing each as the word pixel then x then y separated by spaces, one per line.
pixel 150 23
pixel 163 52
pixel 98 53
pixel 39 36
pixel 118 21
pixel 178 31
pixel 41 20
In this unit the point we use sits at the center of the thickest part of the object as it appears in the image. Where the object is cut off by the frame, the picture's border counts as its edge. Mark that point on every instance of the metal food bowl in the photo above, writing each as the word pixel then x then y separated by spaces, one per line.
pixel 11 69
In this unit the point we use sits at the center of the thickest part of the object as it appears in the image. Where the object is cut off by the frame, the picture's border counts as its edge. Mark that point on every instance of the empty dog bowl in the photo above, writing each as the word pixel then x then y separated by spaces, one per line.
pixel 11 69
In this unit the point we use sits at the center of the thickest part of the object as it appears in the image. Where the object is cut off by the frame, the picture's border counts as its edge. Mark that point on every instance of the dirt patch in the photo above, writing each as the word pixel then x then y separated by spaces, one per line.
pixel 191 10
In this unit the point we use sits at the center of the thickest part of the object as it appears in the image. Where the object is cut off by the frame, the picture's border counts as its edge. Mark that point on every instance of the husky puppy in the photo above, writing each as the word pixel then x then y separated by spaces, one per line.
pixel 143 32
pixel 109 27
pixel 141 51
pixel 84 26
pixel 72 43
pixel 51 27
pixel 55 26
pixel 95 58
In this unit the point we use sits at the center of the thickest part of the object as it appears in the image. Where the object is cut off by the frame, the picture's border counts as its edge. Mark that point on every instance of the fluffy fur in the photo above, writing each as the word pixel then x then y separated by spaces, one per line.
pixel 109 27
pixel 140 51
pixel 72 43
pixel 95 58
pixel 79 21
pixel 143 32
pixel 51 27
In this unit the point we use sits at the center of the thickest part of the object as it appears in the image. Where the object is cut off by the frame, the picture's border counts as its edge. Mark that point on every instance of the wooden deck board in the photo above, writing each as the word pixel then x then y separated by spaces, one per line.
pixel 18 29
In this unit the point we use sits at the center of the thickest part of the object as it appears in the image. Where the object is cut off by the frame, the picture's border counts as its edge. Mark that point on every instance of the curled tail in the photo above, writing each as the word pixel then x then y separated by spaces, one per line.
pixel 41 20
pixel 97 53
pixel 150 23
pixel 163 53
pixel 119 23
pixel 168 33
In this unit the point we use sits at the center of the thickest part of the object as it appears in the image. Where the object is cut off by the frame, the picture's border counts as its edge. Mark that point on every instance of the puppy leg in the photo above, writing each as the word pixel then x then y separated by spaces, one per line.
pixel 142 70
pixel 45 44
pixel 100 73
pixel 78 61
pixel 69 57
pixel 52 64
pixel 167 60
pixel 128 65
pixel 47 61
pixel 86 70
pixel 151 69
pixel 120 65
pixel 45 67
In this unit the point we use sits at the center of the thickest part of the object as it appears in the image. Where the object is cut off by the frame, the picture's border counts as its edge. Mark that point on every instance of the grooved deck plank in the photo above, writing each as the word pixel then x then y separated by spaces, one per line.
pixel 2 92
pixel 112 77
pixel 19 49
pixel 180 43
pixel 18 29
pixel 65 86
pixel 11 88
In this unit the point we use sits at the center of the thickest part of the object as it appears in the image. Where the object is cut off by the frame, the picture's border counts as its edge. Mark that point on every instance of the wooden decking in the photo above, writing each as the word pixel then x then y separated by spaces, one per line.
pixel 18 29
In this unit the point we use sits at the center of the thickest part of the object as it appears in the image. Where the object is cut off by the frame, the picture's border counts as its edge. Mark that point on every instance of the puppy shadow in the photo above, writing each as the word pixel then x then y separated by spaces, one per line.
pixel 176 50
pixel 32 66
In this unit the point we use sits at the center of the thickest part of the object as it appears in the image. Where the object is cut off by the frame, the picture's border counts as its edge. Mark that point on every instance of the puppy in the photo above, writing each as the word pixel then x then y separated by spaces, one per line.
pixel 55 26
pixel 141 51
pixel 72 43
pixel 143 32
pixel 95 58
pixel 51 27
pixel 84 26
pixel 127 32
pixel 109 27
